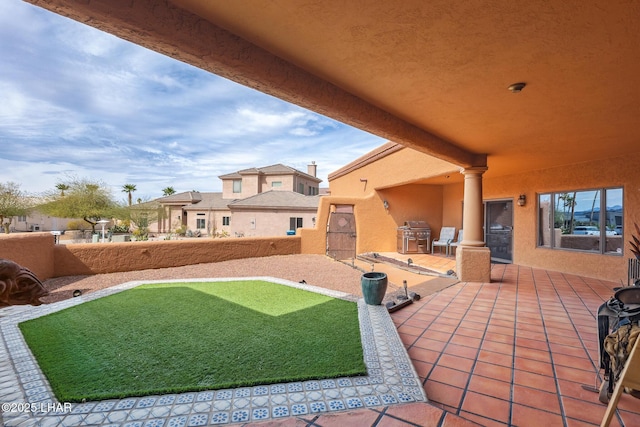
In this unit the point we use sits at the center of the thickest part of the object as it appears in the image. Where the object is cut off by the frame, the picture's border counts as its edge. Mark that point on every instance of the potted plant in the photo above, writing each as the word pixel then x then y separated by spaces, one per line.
pixel 374 286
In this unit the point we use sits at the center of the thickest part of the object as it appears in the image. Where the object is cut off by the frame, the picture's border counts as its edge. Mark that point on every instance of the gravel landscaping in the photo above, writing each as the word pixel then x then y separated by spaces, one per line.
pixel 317 270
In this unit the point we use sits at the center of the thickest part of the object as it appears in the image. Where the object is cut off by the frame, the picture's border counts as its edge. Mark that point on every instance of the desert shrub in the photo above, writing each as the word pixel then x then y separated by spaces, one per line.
pixel 141 234
pixel 122 228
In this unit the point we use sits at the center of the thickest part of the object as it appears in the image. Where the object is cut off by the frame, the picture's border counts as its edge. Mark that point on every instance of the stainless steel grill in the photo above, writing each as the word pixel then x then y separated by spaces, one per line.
pixel 414 237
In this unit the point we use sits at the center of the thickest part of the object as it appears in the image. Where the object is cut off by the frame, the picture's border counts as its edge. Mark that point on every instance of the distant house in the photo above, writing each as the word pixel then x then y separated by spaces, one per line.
pixel 273 213
pixel 249 182
pixel 37 221
pixel 267 201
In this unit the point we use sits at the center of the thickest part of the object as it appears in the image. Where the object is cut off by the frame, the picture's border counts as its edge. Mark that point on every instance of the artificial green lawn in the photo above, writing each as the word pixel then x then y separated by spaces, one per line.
pixel 177 337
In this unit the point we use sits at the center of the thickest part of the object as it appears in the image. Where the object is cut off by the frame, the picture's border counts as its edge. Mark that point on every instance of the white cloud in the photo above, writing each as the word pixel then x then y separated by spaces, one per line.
pixel 81 102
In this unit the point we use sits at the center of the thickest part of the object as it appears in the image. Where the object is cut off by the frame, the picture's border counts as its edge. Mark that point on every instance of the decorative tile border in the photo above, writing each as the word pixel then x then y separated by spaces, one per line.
pixel 391 379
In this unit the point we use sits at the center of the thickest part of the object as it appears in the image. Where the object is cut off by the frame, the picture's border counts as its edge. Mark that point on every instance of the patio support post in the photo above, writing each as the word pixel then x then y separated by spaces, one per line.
pixel 473 258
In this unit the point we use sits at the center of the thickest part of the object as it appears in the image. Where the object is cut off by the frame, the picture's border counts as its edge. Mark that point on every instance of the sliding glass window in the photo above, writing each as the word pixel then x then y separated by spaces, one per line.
pixel 585 220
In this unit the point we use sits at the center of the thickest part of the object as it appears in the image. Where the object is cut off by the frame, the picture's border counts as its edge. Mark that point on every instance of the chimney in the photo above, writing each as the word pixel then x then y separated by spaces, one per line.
pixel 311 169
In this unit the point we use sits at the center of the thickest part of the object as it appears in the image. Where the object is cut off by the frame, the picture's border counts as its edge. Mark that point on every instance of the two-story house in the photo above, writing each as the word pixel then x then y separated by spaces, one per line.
pixel 267 201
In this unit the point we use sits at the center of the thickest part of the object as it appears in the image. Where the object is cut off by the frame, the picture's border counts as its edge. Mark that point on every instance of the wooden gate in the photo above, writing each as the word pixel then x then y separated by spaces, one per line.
pixel 341 235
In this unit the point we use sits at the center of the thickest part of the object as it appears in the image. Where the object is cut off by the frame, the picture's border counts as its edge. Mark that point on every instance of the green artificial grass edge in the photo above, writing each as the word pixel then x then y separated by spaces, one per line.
pixel 180 337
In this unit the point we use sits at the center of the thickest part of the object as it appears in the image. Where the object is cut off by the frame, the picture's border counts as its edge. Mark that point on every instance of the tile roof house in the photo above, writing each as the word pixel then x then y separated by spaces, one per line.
pixel 267 201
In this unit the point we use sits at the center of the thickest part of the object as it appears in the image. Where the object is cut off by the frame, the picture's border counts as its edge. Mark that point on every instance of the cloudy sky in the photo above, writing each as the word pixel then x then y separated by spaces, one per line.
pixel 76 102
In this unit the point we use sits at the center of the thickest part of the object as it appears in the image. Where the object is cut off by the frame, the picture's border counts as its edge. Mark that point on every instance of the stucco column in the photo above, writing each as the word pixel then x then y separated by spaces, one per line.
pixel 473 212
pixel 473 258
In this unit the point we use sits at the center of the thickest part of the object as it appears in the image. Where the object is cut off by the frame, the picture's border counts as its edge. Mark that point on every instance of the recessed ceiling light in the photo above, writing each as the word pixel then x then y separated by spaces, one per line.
pixel 516 87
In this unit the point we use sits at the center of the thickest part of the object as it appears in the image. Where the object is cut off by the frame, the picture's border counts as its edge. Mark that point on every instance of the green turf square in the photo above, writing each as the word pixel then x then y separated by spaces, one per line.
pixel 178 337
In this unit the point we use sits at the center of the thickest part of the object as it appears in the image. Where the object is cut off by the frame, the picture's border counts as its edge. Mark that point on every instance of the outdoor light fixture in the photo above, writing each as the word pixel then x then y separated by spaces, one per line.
pixel 385 204
pixel 522 200
pixel 516 87
pixel 103 222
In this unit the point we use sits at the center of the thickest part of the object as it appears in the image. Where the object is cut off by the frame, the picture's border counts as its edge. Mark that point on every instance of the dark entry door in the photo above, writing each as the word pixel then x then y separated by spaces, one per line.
pixel 341 234
pixel 499 230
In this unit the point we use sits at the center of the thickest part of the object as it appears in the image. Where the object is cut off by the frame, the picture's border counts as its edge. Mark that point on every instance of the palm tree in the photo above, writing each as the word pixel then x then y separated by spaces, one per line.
pixel 129 188
pixel 62 187
pixel 168 191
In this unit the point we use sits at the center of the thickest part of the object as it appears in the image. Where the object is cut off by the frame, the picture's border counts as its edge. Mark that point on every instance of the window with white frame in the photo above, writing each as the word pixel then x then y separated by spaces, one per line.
pixel 237 186
pixel 276 184
pixel 582 220
pixel 226 220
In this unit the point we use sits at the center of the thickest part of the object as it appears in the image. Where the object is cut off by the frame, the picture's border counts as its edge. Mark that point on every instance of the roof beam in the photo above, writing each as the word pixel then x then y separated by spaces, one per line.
pixel 161 26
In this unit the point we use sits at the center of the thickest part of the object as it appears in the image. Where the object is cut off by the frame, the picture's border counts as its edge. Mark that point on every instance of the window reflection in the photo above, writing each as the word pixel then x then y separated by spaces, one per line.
pixel 586 220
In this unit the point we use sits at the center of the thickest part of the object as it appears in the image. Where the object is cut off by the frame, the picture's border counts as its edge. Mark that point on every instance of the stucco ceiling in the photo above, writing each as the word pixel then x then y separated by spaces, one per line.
pixel 444 66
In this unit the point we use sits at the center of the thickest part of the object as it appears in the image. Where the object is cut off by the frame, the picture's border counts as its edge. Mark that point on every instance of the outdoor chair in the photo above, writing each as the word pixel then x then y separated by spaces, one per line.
pixel 455 244
pixel 444 240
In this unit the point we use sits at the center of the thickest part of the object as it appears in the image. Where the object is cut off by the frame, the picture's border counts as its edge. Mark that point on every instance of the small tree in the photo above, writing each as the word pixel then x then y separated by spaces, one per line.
pixel 12 203
pixel 142 215
pixel 129 188
pixel 86 199
pixel 62 187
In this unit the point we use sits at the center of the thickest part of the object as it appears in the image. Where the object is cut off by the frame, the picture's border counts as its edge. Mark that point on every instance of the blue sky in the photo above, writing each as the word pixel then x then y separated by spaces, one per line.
pixel 77 102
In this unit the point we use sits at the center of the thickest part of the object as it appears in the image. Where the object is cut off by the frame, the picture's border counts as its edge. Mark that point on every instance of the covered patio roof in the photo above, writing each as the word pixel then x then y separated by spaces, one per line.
pixel 433 76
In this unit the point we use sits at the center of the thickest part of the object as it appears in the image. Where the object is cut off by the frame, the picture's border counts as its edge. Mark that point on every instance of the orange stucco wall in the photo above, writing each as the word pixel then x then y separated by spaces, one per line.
pixel 31 250
pixel 441 205
pixel 367 210
pixel 37 252
pixel 400 167
pixel 368 186
pixel 615 172
pixel 376 227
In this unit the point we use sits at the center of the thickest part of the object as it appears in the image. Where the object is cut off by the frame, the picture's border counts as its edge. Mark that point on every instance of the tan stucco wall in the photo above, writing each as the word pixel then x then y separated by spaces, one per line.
pixel 37 252
pixel 305 182
pixel 286 180
pixel 227 190
pixel 267 223
pixel 212 218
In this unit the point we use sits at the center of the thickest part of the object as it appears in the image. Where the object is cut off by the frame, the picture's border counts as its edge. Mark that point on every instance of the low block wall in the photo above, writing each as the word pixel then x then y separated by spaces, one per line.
pixel 38 252
pixel 31 250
